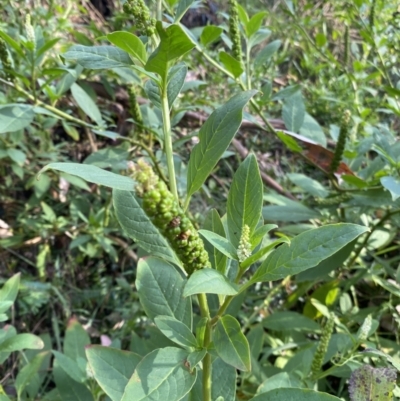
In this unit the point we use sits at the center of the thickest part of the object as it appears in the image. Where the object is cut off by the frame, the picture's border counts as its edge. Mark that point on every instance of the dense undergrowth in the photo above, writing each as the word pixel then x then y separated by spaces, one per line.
pixel 322 123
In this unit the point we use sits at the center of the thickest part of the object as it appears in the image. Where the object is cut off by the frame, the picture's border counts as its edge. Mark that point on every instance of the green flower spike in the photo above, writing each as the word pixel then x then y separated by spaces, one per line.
pixel 234 30
pixel 244 248
pixel 166 214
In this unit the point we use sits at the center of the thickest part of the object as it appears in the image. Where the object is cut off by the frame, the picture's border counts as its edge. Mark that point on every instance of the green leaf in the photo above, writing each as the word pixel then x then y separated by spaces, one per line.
pixel 93 174
pixel 20 342
pixel 129 43
pixel 209 281
pixel 9 291
pixel 231 64
pixel 28 373
pixel 210 34
pixel 12 43
pixel 280 380
pixel 287 92
pixel 176 331
pixel 231 344
pixel 181 9
pixel 17 156
pixel 176 79
pixel 215 136
pixel 223 379
pixel 368 383
pixel 213 223
pixel 112 368
pixel 196 357
pixel 306 251
pixel 287 320
pixel 75 341
pixel 293 112
pixel 312 130
pixel 68 389
pixel 309 185
pixel 294 394
pixel 160 376
pixel 393 185
pixel 160 289
pixel 254 24
pixel 70 367
pixel 174 44
pixel 264 55
pixel 98 57
pixel 263 251
pixel 245 199
pixel 139 227
pixel 14 117
pixel 260 233
pixel 86 103
pixel 220 243
pixel 290 142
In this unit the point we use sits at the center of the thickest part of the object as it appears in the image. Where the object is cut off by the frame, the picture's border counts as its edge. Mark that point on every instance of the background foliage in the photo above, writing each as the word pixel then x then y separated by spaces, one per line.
pixel 312 64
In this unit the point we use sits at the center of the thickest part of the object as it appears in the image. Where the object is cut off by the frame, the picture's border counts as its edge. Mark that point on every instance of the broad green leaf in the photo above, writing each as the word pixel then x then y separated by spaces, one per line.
pixel 231 64
pixel 29 371
pixel 17 156
pixel 294 394
pixel 129 43
pixel 20 342
pixel 254 24
pixel 68 389
pixel 174 44
pixel 181 9
pixel 220 243
pixel 14 117
pixel 9 290
pixel 98 57
pixel 307 250
pixel 139 227
pixel 86 103
pixel 75 341
pixel 3 397
pixel 176 331
pixel 5 306
pixel 13 43
pixel 312 130
pixel 223 379
pixel 368 383
pixel 160 289
pixel 293 112
pixel 112 368
pixel 231 344
pixel 210 34
pixel 375 352
pixel 264 55
pixel 244 18
pixel 290 142
pixel 209 281
pixel 392 185
pixel 213 223
pixel 160 376
pixel 176 79
pixel 245 199
pixel 288 320
pixel 215 136
pixel 280 380
pixel 309 185
pixel 70 367
pixel 326 266
pixel 93 174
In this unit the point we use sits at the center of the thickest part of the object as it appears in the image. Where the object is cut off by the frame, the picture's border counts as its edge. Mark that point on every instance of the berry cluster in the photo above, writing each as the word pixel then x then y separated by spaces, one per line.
pixel 166 214
pixel 140 12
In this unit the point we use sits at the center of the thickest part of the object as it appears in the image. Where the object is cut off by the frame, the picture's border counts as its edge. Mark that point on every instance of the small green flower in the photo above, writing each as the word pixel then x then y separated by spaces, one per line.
pixel 234 30
pixel 318 359
pixel 140 12
pixel 341 143
pixel 166 214
pixel 5 60
pixel 244 248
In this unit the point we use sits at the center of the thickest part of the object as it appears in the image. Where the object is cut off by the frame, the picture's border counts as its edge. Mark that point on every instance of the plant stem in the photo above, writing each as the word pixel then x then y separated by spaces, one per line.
pixel 205 312
pixel 168 139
